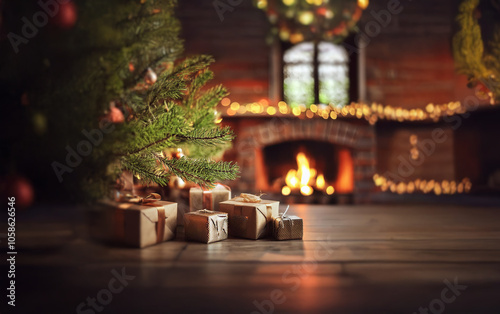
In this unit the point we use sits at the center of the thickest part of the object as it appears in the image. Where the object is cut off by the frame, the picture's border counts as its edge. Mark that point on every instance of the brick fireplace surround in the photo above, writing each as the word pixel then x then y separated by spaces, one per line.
pixel 254 134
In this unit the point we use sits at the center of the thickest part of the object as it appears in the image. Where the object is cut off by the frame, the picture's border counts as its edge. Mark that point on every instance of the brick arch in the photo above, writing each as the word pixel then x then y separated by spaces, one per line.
pixel 335 132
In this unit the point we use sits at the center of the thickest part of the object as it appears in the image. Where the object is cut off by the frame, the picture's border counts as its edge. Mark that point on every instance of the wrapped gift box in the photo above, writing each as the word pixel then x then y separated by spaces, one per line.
pixel 288 227
pixel 206 226
pixel 208 199
pixel 250 220
pixel 137 225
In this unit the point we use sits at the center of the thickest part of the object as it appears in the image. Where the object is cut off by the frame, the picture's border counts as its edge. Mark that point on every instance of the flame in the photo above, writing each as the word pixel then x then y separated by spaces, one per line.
pixel 320 182
pixel 306 190
pixel 304 172
pixel 291 179
pixel 304 178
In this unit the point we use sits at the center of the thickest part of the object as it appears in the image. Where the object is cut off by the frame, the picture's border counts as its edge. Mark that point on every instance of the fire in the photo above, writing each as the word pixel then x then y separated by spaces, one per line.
pixel 320 181
pixel 303 178
pixel 291 179
pixel 304 172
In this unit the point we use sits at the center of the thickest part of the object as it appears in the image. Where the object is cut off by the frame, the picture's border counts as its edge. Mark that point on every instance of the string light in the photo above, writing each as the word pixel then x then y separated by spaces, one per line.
pixel 371 113
pixel 425 186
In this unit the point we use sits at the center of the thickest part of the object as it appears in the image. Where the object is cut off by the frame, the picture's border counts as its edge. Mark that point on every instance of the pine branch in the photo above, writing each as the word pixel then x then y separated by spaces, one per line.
pixel 198 82
pixel 208 136
pixel 146 170
pixel 200 171
pixel 200 137
pixel 471 57
pixel 176 80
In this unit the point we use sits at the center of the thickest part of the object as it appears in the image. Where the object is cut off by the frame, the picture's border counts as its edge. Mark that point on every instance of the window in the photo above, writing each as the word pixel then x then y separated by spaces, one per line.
pixel 332 74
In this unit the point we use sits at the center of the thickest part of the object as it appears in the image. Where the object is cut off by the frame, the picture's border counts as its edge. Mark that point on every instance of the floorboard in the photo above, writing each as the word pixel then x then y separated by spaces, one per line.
pixel 353 259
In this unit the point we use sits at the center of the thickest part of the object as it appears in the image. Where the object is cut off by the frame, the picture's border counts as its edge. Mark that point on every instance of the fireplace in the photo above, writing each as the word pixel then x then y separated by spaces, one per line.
pixel 340 157
pixel 306 166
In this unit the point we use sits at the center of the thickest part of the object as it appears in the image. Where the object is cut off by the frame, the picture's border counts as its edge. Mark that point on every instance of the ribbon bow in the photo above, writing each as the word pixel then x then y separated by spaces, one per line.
pixel 218 223
pixel 248 198
pixel 151 198
pixel 283 217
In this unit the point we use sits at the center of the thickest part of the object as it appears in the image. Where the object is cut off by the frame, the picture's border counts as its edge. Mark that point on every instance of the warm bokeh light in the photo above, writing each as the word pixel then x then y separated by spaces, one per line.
pixel 371 113
pixel 235 106
pixel 261 4
pixel 271 111
pixel 286 190
pixel 363 4
pixel 330 190
pixel 306 17
pixel 424 186
pixel 225 101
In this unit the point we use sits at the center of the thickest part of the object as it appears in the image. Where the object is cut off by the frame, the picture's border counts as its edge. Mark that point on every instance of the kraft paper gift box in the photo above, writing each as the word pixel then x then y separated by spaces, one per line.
pixel 288 227
pixel 206 226
pixel 250 220
pixel 200 199
pixel 131 224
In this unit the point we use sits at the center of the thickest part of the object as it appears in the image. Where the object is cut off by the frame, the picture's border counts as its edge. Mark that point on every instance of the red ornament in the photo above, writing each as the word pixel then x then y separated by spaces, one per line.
pixel 67 15
pixel 322 11
pixel 18 187
pixel 115 115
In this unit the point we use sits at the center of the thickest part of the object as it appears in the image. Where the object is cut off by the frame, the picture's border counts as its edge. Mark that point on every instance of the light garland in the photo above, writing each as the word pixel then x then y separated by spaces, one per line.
pixel 425 186
pixel 371 113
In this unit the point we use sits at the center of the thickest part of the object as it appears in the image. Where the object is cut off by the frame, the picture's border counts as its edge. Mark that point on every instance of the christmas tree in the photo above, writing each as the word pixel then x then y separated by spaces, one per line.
pixel 476 45
pixel 98 88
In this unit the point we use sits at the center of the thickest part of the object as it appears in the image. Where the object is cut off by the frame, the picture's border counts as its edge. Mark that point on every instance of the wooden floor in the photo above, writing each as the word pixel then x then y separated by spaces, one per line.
pixel 353 259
